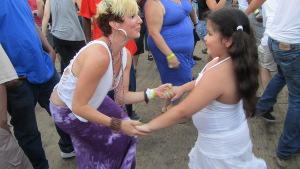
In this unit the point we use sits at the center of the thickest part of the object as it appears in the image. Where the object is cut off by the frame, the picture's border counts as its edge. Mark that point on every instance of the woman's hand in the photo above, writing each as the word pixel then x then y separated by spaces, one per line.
pixel 164 91
pixel 128 128
pixel 173 63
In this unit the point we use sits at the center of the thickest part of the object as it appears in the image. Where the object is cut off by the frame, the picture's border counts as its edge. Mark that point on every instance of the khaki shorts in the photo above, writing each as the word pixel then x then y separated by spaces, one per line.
pixel 11 155
pixel 266 59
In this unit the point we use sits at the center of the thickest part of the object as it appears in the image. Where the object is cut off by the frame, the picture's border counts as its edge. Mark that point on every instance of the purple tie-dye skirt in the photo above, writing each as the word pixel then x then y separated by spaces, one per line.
pixel 97 146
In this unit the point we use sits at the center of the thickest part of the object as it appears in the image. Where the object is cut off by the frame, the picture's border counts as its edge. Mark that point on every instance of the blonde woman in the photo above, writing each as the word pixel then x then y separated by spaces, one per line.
pixel 101 132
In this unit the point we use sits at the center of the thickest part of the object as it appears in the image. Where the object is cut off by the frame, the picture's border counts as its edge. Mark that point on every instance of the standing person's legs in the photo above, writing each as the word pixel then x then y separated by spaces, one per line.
pixel 150 57
pixel 269 97
pixel 21 107
pixel 287 56
pixel 267 68
pixel 201 32
pixel 132 87
pixel 66 50
pixel 12 156
pixel 267 65
pixel 43 93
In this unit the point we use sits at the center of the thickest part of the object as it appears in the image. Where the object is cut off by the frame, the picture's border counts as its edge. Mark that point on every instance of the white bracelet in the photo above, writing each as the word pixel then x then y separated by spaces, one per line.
pixel 150 93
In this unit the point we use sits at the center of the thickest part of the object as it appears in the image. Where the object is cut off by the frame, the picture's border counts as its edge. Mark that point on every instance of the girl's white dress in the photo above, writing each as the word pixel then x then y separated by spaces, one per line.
pixel 223 137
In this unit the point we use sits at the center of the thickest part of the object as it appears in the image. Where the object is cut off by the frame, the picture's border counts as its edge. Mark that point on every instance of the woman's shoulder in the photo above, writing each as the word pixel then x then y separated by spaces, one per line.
pixel 97 50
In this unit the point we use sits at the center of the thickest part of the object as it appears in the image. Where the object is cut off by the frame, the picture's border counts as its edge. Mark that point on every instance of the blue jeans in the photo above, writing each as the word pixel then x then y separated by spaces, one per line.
pixel 269 97
pixel 21 106
pixel 288 61
pixel 201 29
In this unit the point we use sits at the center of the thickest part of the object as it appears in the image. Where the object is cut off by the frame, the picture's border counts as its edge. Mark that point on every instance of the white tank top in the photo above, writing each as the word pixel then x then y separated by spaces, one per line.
pixel 222 128
pixel 66 86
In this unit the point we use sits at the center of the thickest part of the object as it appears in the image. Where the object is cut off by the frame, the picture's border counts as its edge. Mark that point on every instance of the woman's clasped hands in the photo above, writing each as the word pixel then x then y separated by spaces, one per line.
pixel 165 91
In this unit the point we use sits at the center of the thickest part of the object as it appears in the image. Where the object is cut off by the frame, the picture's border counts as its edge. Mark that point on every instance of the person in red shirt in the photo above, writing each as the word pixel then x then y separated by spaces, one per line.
pixel 37 8
pixel 91 30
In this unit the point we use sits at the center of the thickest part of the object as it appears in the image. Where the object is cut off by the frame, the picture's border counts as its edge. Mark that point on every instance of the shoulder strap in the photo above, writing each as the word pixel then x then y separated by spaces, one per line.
pixel 218 63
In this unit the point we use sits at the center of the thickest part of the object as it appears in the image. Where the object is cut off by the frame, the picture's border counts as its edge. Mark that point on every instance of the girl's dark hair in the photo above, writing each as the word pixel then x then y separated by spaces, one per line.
pixel 234 24
pixel 104 19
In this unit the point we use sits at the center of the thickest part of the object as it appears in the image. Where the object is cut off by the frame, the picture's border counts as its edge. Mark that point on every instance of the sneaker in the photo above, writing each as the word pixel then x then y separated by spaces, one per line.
pixel 282 163
pixel 268 117
pixel 134 116
pixel 204 51
pixel 67 155
pixel 150 57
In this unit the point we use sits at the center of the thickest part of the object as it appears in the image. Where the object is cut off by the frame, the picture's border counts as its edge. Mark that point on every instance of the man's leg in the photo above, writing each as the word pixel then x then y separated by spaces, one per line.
pixel 43 93
pixel 275 85
pixel 12 156
pixel 269 97
pixel 21 107
pixel 288 59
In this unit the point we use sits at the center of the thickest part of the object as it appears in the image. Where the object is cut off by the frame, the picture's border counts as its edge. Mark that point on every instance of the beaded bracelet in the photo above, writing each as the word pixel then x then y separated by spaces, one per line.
pixel 115 124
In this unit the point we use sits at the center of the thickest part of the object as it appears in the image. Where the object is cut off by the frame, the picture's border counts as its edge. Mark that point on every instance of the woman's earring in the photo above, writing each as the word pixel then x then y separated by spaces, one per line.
pixel 122 30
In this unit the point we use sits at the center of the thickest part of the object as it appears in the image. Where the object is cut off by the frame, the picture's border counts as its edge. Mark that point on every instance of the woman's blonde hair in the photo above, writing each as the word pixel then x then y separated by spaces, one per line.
pixel 114 10
pixel 117 7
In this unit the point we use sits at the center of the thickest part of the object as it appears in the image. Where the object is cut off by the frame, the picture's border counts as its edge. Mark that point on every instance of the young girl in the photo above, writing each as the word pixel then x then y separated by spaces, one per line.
pixel 221 97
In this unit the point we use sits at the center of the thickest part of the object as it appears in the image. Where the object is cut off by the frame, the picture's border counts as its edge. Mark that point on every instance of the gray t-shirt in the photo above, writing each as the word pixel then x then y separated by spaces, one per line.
pixel 7 71
pixel 65 22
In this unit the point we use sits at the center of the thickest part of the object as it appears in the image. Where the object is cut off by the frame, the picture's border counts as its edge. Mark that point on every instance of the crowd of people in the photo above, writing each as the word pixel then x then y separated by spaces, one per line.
pixel 90 97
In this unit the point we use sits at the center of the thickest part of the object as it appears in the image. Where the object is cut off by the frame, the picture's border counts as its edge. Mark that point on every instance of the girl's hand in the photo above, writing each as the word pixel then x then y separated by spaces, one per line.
pixel 164 91
pixel 178 92
pixel 128 128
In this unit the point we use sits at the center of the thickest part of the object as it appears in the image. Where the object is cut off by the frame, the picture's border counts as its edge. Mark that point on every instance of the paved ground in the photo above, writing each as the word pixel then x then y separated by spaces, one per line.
pixel 168 148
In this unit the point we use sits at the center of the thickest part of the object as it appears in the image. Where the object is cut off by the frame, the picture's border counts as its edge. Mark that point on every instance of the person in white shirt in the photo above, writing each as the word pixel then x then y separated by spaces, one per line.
pixel 284 43
pixel 268 66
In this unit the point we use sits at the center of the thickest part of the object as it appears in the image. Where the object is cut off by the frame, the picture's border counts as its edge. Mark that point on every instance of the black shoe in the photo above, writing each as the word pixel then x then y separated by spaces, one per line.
pixel 268 117
pixel 196 58
pixel 204 51
pixel 150 57
pixel 134 116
